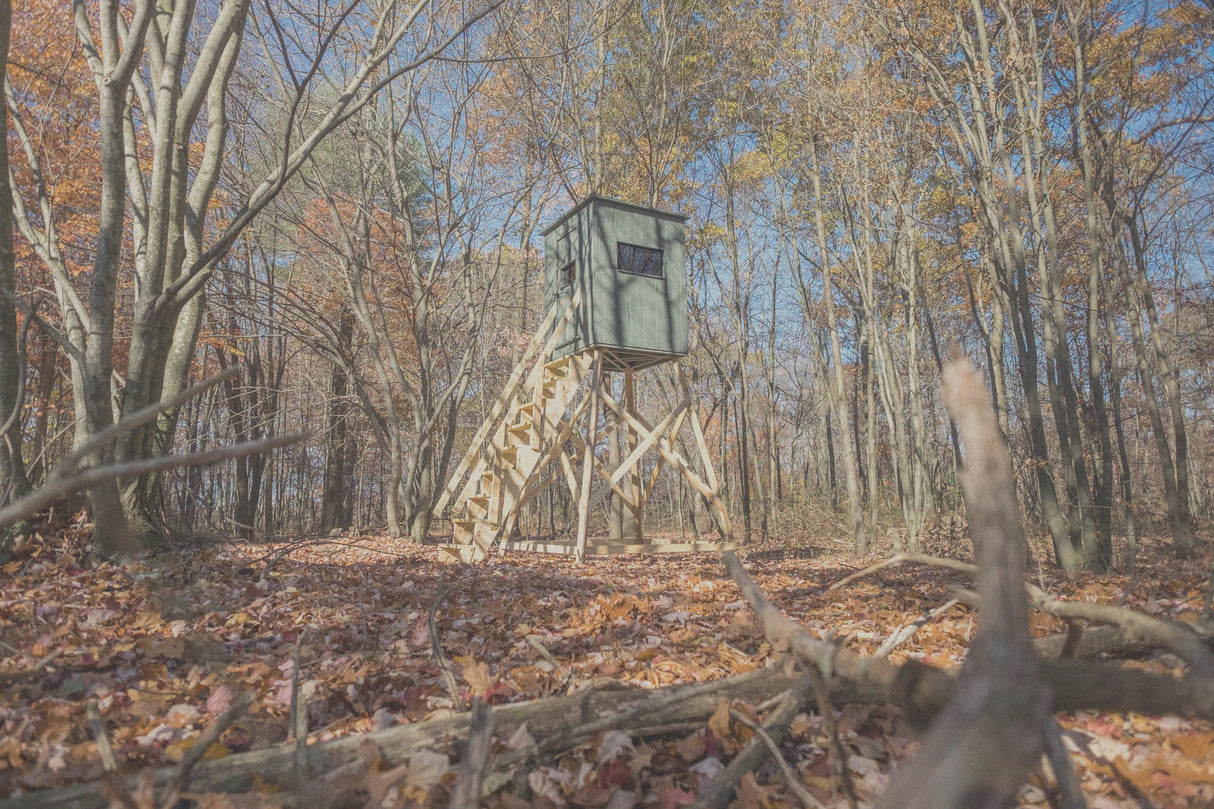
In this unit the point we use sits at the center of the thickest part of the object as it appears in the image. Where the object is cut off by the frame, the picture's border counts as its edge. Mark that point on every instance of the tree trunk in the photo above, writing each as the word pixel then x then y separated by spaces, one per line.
pixel 333 500
pixel 1178 509
pixel 1103 490
pixel 837 384
pixel 13 480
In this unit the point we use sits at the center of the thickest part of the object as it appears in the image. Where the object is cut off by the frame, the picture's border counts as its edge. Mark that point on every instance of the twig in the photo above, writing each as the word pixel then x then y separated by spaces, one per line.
pixel 32 671
pixel 436 648
pixel 73 459
pixel 299 718
pixel 838 753
pixel 1070 794
pixel 100 736
pixel 467 791
pixel 721 789
pixel 273 557
pixel 790 778
pixel 55 488
pixel 908 631
pixel 900 558
pixel 181 775
pixel 534 643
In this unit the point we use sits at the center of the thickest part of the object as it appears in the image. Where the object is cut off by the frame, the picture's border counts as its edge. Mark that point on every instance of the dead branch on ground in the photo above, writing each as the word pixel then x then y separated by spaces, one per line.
pixel 1183 639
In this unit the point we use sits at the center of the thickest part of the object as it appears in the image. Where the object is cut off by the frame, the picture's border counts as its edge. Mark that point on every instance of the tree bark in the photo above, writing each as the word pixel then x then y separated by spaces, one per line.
pixel 13 480
pixel 836 385
pixel 333 500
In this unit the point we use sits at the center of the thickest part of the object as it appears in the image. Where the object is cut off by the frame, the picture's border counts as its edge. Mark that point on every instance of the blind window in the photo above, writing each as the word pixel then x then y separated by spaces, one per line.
pixel 640 260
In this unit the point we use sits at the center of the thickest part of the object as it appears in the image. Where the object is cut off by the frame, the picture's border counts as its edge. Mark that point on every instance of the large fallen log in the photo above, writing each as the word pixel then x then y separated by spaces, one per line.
pixel 634 711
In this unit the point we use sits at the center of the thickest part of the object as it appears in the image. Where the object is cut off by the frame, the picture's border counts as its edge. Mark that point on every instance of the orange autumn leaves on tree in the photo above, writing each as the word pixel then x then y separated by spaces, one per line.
pixel 55 152
pixel 56 105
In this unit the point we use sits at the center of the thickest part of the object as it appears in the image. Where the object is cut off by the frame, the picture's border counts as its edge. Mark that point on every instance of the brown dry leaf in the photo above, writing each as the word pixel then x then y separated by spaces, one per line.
pixel 751 795
pixel 10 752
pixel 1197 747
pixel 476 675
pixel 220 700
pixel 691 748
pixel 520 739
pixel 719 722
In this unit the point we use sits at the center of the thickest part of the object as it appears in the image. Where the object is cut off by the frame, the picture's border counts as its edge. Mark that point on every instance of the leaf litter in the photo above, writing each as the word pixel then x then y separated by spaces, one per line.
pixel 163 647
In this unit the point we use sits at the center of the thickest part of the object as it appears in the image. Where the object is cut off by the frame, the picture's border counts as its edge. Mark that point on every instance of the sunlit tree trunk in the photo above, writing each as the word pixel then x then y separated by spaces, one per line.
pixel 837 383
pixel 1103 490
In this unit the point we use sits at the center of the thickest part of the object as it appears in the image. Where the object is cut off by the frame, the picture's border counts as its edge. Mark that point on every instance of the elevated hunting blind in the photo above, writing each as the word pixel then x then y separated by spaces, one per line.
pixel 615 291
pixel 629 263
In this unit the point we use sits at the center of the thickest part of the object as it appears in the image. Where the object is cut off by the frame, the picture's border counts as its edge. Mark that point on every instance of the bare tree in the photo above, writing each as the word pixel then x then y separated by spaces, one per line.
pixel 13 482
pixel 147 170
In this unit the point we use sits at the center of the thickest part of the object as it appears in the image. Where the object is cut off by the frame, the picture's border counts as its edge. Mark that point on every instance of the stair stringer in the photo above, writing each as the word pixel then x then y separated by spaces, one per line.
pixel 528 437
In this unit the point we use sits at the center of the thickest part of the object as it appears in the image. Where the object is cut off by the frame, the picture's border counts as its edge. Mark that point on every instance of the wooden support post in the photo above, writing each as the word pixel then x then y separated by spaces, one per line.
pixel 634 477
pixel 651 439
pixel 583 510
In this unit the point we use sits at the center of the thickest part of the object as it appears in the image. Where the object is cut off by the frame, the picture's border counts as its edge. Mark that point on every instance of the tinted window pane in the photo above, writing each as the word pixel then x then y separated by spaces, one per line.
pixel 637 259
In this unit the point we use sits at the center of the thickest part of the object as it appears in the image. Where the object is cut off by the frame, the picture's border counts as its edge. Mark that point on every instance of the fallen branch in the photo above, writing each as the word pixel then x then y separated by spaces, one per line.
pixel 917 688
pixel 466 793
pixel 904 558
pixel 1176 637
pixel 720 790
pixel 1170 635
pixel 791 779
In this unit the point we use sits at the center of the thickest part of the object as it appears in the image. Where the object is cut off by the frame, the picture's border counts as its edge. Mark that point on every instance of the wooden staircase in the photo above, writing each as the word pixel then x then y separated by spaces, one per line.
pixel 528 436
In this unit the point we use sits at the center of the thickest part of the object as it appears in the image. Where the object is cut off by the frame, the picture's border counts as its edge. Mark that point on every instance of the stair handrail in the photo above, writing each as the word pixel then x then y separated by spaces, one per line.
pixel 513 385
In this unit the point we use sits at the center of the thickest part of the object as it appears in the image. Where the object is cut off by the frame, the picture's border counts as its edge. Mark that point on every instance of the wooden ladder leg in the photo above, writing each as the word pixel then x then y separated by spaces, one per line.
pixel 634 477
pixel 583 508
pixel 710 473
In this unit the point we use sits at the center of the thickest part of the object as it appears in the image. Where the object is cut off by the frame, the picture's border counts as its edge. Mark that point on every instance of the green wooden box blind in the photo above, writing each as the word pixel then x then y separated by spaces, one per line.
pixel 630 263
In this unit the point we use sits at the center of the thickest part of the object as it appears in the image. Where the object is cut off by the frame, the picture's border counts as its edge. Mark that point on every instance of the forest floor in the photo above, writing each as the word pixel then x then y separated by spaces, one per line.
pixel 163 646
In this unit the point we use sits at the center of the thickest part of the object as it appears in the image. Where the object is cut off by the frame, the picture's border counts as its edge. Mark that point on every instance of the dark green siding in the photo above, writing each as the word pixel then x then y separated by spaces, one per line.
pixel 641 318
